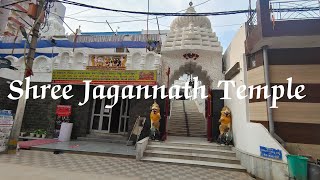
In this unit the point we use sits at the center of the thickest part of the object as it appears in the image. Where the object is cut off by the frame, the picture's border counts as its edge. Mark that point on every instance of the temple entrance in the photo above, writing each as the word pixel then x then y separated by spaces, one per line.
pixel 189 116
pixel 110 120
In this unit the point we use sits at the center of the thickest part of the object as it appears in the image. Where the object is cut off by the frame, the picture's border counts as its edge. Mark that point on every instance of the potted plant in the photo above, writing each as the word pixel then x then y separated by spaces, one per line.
pixel 32 134
pixel 38 133
pixel 43 134
pixel 22 134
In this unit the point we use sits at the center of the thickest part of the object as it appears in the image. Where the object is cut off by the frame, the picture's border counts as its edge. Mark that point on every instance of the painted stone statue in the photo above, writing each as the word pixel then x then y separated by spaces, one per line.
pixel 155 121
pixel 225 136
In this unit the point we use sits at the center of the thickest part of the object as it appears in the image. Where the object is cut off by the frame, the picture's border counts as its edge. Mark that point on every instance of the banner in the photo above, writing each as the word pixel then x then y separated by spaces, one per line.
pixel 128 77
pixel 6 123
pixel 108 61
pixel 63 110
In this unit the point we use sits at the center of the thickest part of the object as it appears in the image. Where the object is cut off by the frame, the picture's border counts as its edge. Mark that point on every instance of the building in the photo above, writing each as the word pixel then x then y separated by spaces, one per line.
pixel 97 51
pixel 15 15
pixel 267 50
pixel 263 52
pixel 11 20
pixel 127 47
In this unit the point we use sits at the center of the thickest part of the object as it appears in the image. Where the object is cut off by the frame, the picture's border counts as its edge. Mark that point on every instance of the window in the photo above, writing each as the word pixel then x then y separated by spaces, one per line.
pixel 251 62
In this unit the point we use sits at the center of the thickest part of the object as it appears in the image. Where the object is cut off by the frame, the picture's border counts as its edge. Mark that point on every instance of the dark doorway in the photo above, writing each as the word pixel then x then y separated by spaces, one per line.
pixel 114 127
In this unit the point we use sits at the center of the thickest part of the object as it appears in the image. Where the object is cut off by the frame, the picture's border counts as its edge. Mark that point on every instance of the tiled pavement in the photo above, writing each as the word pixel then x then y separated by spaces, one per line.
pixel 118 166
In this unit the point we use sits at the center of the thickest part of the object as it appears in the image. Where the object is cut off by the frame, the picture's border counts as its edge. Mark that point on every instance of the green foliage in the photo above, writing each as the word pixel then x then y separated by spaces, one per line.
pixel 40 131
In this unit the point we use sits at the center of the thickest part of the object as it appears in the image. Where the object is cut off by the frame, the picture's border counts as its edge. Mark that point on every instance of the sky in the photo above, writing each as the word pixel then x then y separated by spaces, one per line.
pixel 224 26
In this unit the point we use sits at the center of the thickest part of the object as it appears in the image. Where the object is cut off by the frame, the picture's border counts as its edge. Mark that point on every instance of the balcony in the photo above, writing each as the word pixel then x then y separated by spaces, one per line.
pixel 15 21
pixel 283 24
pixel 21 7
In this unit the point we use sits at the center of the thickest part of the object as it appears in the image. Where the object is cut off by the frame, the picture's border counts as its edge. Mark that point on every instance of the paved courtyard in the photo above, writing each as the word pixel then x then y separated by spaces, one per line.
pixel 47 165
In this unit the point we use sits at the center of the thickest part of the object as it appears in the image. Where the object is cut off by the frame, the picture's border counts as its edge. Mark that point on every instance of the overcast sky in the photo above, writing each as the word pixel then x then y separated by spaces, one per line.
pixel 224 26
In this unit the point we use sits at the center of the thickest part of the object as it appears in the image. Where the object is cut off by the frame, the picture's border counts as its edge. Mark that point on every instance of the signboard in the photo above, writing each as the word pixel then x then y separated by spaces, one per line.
pixel 63 113
pixel 270 153
pixel 128 77
pixel 233 71
pixel 63 110
pixel 108 61
pixel 6 63
pixel 6 123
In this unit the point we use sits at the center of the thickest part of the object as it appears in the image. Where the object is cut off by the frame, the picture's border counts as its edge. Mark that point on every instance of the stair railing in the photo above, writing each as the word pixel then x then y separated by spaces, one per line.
pixel 186 118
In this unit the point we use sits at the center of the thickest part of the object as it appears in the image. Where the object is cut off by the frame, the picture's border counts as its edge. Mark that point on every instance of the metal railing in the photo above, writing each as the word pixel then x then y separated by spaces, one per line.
pixel 283 10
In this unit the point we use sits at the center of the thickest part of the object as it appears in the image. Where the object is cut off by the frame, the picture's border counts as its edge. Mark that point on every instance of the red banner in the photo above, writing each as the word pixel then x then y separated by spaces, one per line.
pixel 63 110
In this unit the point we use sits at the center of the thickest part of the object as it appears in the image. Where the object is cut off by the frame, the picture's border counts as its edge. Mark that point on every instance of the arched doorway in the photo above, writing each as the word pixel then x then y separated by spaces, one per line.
pixel 189 117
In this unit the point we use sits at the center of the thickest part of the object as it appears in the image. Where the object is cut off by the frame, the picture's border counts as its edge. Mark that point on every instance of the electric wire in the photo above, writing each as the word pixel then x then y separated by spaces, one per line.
pixel 13 9
pixel 80 12
pixel 187 14
pixel 153 13
pixel 17 2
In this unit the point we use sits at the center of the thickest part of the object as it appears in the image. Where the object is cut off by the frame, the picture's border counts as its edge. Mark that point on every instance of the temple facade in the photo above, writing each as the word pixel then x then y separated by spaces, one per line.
pixel 264 52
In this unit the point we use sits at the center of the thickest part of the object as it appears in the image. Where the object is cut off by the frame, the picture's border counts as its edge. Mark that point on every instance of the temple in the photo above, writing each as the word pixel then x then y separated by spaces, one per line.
pixel 263 52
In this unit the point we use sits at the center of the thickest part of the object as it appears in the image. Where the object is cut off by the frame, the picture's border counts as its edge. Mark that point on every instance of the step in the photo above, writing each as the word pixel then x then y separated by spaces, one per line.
pixel 188 113
pixel 182 115
pixel 190 134
pixel 190 121
pixel 183 130
pixel 203 144
pixel 178 109
pixel 225 166
pixel 192 156
pixel 179 118
pixel 191 150
pixel 200 116
pixel 183 125
pixel 100 139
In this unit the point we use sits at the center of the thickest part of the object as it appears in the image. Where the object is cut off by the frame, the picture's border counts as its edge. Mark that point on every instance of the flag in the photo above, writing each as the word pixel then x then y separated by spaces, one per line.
pixel 75 39
pixel 272 17
pixel 14 41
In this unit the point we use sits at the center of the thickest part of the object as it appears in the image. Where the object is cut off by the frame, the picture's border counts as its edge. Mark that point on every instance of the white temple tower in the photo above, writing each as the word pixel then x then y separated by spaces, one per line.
pixel 192 46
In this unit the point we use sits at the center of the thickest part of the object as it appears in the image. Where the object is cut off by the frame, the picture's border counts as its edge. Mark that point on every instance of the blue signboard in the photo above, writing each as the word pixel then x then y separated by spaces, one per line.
pixel 271 153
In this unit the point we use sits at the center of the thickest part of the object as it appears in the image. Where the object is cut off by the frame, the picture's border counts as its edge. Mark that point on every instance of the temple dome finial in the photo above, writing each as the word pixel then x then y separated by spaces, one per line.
pixel 185 21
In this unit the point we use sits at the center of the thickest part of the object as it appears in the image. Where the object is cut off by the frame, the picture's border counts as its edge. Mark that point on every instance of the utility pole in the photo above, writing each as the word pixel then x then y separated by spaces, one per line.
pixel 14 136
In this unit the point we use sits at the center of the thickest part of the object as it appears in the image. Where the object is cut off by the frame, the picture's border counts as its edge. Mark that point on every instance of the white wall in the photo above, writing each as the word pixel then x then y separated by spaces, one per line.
pixel 77 60
pixel 248 137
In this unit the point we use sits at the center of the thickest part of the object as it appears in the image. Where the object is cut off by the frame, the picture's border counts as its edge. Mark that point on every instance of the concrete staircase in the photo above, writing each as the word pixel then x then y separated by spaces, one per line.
pixel 195 154
pixel 186 120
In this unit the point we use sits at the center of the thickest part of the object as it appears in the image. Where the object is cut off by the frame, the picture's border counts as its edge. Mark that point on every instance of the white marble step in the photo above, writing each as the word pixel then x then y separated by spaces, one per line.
pixel 190 122
pixel 186 135
pixel 183 128
pixel 175 131
pixel 201 150
pixel 197 144
pixel 192 156
pixel 191 114
pixel 226 166
pixel 182 116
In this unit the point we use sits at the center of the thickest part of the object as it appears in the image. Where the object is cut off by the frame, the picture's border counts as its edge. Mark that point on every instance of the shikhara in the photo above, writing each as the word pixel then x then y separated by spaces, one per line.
pixel 113 92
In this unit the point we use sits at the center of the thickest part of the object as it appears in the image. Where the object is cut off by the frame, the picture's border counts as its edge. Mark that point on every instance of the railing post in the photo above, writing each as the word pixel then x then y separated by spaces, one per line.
pixel 167 107
pixel 208 115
